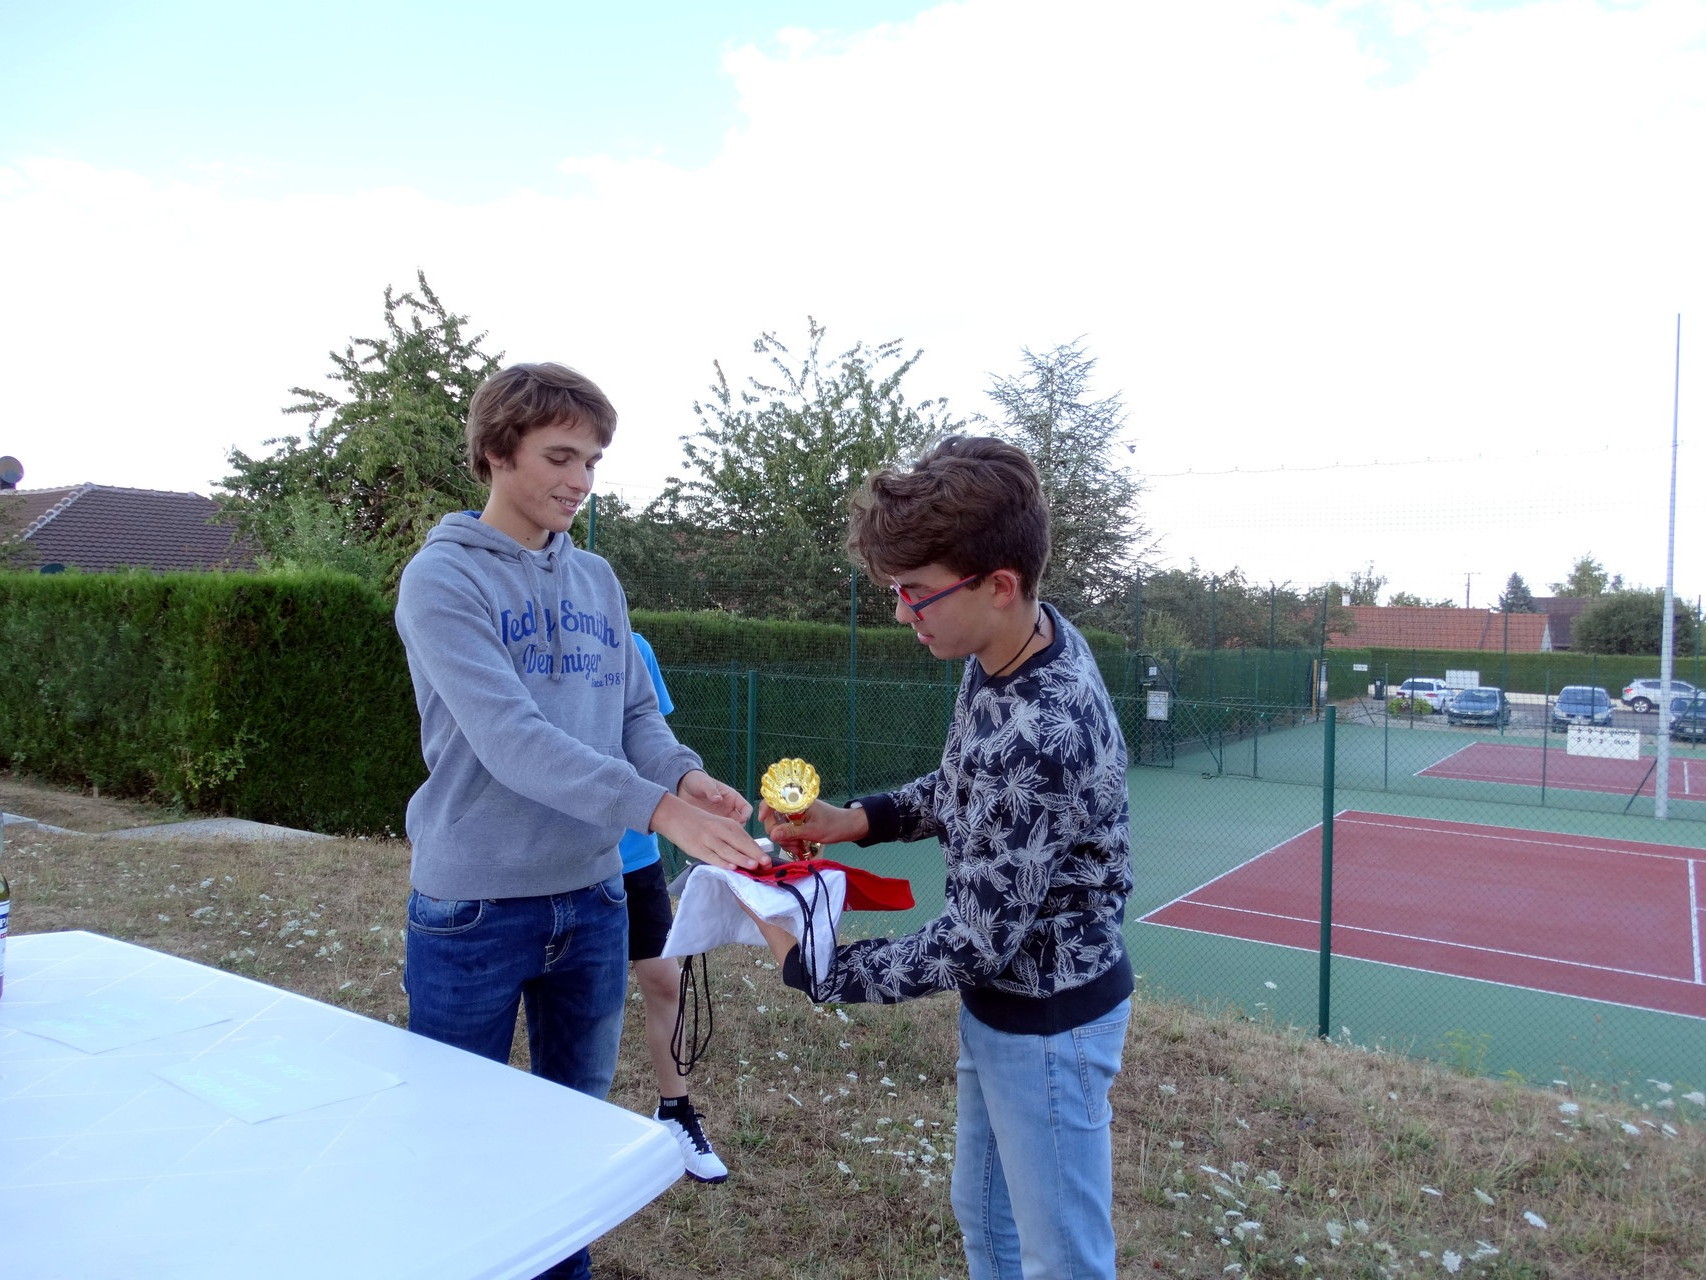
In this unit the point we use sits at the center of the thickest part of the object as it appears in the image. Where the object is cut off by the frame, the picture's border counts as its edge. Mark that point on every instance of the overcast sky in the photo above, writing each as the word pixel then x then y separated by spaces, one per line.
pixel 1388 283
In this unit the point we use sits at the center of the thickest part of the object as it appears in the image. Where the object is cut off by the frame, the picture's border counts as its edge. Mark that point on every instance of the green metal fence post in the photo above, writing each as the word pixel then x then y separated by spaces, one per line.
pixel 1545 730
pixel 752 743
pixel 853 682
pixel 1386 729
pixel 1324 983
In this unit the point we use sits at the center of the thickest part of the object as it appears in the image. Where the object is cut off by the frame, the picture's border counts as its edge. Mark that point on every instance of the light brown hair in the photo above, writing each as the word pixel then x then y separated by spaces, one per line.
pixel 525 397
pixel 972 503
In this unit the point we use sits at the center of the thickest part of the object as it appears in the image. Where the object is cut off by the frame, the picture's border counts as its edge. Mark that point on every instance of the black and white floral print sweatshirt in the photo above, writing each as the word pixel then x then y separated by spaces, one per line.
pixel 1030 806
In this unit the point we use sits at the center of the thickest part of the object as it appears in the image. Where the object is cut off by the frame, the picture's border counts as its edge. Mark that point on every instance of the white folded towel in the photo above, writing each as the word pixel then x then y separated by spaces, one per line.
pixel 709 914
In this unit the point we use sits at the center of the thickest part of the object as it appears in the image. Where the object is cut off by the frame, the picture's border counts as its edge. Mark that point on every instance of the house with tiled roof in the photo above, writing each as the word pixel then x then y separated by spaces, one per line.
pixel 97 527
pixel 1404 627
pixel 1561 614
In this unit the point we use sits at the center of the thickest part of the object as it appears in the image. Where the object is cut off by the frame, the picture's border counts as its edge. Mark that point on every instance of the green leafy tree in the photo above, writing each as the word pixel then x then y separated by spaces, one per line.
pixel 1099 541
pixel 1517 598
pixel 1365 586
pixel 382 458
pixel 1632 622
pixel 760 523
pixel 1226 611
pixel 1410 600
pixel 1587 578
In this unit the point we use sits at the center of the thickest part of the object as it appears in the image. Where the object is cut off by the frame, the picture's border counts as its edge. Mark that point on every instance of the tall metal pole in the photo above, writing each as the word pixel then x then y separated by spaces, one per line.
pixel 1324 977
pixel 1667 640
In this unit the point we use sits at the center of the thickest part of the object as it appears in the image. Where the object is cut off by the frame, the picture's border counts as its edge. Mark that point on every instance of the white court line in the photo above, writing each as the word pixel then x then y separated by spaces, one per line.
pixel 1550 840
pixel 1467 746
pixel 1694 910
pixel 1455 977
pixel 1441 942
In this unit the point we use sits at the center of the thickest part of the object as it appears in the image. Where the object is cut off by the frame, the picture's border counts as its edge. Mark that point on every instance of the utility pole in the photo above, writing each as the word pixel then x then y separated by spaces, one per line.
pixel 1467 574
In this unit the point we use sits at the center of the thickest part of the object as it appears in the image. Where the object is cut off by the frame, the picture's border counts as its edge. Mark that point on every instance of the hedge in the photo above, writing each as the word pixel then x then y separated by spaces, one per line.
pixel 286 697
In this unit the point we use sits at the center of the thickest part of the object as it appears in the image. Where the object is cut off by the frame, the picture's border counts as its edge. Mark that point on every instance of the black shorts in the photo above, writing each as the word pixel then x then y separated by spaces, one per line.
pixel 649 913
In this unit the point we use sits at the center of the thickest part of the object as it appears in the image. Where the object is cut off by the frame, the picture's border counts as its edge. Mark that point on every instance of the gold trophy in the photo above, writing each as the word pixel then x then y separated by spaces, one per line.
pixel 789 787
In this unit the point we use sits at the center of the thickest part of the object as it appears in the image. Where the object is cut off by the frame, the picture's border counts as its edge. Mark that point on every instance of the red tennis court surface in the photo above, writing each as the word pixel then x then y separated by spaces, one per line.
pixel 1608 920
pixel 1521 766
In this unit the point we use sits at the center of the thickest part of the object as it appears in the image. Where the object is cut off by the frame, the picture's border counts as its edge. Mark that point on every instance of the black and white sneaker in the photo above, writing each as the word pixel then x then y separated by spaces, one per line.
pixel 702 1162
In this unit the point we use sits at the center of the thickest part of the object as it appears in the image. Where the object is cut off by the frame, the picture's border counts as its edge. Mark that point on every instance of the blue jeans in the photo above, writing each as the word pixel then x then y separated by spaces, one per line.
pixel 1033 1185
pixel 470 965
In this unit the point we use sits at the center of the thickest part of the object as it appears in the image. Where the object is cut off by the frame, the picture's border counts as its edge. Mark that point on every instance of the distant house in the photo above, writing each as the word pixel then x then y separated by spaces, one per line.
pixel 1561 612
pixel 96 527
pixel 1385 627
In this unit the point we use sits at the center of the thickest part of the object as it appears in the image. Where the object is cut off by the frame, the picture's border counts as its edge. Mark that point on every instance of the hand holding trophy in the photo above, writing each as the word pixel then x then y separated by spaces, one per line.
pixel 790 788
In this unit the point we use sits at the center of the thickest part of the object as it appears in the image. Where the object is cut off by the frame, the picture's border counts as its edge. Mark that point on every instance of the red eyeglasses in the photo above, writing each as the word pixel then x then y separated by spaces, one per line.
pixel 919 606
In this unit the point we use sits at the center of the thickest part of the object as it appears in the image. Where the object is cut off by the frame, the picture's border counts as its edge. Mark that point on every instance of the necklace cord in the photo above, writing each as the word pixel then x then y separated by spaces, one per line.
pixel 1036 630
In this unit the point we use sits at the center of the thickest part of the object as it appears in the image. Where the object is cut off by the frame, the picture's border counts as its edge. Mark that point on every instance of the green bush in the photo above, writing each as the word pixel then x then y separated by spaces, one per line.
pixel 1408 707
pixel 282 698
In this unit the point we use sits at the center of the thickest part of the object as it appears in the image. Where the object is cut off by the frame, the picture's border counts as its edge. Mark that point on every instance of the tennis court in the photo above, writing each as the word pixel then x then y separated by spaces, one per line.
pixel 1500 905
pixel 1530 766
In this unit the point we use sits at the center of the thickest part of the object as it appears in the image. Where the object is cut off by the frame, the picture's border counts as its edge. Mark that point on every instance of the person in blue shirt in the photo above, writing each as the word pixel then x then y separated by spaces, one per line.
pixel 658 978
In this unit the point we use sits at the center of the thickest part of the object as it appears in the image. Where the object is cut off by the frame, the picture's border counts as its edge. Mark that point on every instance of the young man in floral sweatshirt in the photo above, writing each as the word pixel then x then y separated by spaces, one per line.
pixel 1029 804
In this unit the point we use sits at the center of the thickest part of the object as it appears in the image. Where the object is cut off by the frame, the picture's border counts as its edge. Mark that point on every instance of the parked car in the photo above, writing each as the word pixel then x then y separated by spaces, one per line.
pixel 1423 689
pixel 1484 704
pixel 1643 695
pixel 1580 704
pixel 1688 717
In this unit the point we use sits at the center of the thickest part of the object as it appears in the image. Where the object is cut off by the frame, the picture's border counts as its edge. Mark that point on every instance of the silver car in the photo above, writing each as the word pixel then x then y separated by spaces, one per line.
pixel 1643 695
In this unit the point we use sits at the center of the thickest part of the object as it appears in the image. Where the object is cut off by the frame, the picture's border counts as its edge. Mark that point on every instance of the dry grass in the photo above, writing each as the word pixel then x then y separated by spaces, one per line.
pixel 1240 1149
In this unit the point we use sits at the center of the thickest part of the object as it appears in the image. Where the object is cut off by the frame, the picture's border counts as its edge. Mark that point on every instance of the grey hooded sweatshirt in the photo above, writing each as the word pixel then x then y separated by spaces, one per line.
pixel 539 724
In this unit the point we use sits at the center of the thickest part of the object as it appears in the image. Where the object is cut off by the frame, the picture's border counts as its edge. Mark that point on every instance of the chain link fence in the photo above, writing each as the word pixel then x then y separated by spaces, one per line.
pixel 1518 892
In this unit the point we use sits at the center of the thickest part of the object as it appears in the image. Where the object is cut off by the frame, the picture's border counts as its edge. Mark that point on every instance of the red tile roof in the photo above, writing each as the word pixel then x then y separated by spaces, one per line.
pixel 1385 627
pixel 96 526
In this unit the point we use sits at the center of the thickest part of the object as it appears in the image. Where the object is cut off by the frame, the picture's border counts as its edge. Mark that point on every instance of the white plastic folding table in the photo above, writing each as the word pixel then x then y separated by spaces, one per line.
pixel 160 1118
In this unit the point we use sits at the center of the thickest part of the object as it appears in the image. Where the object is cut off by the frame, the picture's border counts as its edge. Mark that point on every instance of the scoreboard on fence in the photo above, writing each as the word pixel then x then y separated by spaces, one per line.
pixel 1605 742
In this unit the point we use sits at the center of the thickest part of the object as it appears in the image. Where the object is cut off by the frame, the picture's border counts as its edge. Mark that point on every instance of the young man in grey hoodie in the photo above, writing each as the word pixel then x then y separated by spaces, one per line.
pixel 543 744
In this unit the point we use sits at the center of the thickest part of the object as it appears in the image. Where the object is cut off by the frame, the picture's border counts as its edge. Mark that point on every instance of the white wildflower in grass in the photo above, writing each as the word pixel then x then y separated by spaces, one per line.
pixel 1483 1250
pixel 207 884
pixel 1361 1226
pixel 1269 1181
pixel 1450 1260
pixel 1570 1108
pixel 781 1055
pixel 1211 1170
pixel 1668 1131
pixel 1660 1085
pixel 764 1008
pixel 1176 1145
pixel 1633 1130
pixel 1696 1097
pixel 1271 986
pixel 1249 1227
pixel 842 1014
pixel 1335 1233
pixel 749 982
pixel 1431 1191
pixel 1300 1260
pixel 843 1167
pixel 1533 1219
pixel 1483 1197
pixel 886 1083
pixel 1168 1089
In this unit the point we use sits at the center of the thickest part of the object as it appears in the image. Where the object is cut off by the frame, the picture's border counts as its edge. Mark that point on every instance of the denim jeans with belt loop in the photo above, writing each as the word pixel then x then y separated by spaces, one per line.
pixel 470 964
pixel 1033 1184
